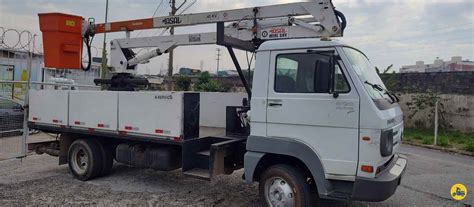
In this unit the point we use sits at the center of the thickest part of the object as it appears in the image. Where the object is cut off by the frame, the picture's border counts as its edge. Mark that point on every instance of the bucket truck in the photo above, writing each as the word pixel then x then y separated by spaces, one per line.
pixel 317 122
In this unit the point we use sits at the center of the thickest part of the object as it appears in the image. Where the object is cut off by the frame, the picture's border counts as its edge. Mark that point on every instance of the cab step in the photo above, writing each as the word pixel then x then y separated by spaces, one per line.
pixel 210 156
pixel 204 174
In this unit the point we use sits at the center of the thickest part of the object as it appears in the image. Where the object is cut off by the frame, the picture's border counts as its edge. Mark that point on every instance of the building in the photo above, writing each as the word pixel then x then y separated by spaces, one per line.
pixel 14 63
pixel 439 65
pixel 189 71
pixel 79 77
pixel 13 66
pixel 228 73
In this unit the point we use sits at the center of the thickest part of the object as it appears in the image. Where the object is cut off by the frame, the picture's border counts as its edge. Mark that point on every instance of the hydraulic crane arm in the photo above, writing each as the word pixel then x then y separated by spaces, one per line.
pixel 321 11
pixel 246 29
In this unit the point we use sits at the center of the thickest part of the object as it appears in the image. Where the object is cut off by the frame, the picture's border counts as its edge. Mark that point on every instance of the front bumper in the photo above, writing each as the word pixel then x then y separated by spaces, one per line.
pixel 383 185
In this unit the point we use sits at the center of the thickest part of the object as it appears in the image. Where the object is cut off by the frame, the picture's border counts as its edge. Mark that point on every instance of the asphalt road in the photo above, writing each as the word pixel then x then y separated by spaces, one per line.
pixel 38 180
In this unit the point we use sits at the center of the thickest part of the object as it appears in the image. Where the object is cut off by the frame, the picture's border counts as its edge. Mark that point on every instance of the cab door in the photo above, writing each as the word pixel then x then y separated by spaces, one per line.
pixel 311 100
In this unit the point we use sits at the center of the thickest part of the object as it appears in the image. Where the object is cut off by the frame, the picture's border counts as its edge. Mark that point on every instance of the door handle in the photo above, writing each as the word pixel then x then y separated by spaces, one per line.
pixel 275 104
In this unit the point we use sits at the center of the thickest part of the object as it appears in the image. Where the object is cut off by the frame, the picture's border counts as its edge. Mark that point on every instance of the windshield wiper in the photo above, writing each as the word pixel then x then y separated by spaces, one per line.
pixel 378 87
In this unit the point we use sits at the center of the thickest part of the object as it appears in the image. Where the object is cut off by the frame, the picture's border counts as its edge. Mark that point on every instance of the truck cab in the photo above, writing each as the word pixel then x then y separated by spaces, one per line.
pixel 320 106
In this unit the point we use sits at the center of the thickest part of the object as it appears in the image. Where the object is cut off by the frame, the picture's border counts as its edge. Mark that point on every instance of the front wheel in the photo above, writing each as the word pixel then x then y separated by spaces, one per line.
pixel 284 185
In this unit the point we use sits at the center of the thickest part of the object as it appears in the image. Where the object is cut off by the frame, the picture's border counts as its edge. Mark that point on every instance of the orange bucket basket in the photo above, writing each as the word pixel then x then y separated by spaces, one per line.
pixel 62 40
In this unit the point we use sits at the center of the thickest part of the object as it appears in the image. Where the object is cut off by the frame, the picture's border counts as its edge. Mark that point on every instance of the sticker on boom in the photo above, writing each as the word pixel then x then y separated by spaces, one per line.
pixel 172 20
pixel 70 23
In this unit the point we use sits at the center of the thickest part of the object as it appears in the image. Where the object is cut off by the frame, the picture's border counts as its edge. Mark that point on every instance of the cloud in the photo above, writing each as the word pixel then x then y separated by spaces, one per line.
pixel 397 32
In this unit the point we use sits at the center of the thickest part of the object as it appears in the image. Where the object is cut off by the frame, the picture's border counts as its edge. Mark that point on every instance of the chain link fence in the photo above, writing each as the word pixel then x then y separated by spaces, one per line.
pixel 13 113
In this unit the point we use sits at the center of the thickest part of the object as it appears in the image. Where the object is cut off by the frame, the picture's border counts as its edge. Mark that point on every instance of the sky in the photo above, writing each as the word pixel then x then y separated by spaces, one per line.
pixel 398 32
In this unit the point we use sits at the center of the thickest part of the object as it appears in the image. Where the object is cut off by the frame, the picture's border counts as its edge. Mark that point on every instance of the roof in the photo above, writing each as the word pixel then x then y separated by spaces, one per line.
pixel 298 43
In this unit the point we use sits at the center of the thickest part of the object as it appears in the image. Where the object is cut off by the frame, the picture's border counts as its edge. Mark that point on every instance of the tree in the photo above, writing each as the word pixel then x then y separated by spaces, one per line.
pixel 183 83
pixel 390 80
pixel 426 102
pixel 384 71
pixel 205 83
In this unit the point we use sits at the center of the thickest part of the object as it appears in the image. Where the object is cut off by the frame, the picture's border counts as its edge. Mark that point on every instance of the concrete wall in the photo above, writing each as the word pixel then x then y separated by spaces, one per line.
pixel 458 112
pixel 213 107
pixel 439 82
pixel 457 89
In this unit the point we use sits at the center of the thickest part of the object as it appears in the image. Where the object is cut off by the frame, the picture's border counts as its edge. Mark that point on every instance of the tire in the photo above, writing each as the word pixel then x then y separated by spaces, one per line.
pixel 107 152
pixel 284 185
pixel 85 159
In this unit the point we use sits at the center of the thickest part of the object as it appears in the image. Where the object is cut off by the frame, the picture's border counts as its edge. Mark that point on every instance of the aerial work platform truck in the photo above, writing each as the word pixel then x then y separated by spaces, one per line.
pixel 317 121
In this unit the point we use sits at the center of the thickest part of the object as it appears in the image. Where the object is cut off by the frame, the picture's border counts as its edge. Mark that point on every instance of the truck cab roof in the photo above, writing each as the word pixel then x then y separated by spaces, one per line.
pixel 285 44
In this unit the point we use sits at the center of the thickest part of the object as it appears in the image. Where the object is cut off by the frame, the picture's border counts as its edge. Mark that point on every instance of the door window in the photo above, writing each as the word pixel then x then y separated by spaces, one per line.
pixel 308 73
pixel 340 82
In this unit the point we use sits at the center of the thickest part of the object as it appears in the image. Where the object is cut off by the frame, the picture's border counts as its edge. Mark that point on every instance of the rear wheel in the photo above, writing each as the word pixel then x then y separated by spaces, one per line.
pixel 284 185
pixel 85 159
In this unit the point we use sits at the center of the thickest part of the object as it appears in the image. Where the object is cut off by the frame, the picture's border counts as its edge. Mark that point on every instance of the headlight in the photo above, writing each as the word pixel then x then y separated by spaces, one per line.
pixel 386 142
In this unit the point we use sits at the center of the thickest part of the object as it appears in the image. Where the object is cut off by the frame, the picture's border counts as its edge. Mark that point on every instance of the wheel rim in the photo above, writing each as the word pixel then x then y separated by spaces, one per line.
pixel 278 192
pixel 80 160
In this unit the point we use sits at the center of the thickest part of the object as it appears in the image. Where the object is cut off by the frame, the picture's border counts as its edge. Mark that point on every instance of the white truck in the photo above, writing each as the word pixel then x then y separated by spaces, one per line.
pixel 317 122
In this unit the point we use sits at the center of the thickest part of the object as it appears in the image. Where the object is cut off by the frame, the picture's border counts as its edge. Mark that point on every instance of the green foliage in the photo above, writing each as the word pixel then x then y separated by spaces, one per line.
pixel 469 146
pixel 183 83
pixel 205 83
pixel 427 140
pixel 389 80
pixel 447 139
pixel 418 137
pixel 426 102
pixel 443 141
pixel 210 86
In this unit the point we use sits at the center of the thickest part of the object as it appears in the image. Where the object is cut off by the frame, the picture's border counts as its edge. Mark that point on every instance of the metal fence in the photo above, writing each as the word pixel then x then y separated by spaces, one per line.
pixel 13 120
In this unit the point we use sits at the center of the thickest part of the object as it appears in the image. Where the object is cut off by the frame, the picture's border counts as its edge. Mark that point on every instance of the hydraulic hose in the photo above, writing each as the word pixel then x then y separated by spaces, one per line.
pixel 343 20
pixel 88 42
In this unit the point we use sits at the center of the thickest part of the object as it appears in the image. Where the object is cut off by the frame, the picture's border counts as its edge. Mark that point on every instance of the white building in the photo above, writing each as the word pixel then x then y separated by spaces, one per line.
pixel 79 77
pixel 13 66
pixel 439 65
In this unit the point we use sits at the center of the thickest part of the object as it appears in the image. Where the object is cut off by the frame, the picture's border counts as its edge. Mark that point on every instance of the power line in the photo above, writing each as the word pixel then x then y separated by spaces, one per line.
pixel 103 68
pixel 154 13
pixel 170 51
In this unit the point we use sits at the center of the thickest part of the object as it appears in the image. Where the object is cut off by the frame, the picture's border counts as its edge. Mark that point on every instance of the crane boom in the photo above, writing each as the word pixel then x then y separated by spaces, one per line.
pixel 244 29
pixel 247 28
pixel 321 11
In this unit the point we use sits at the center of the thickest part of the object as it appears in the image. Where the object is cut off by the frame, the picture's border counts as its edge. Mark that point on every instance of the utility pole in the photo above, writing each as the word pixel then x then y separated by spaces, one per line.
pixel 104 47
pixel 218 60
pixel 170 60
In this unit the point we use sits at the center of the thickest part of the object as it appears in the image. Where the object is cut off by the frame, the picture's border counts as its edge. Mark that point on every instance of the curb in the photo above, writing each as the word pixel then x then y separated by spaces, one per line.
pixel 456 151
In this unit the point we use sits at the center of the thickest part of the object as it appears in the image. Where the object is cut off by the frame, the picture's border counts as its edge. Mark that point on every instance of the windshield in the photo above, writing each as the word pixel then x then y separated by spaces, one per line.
pixel 366 72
